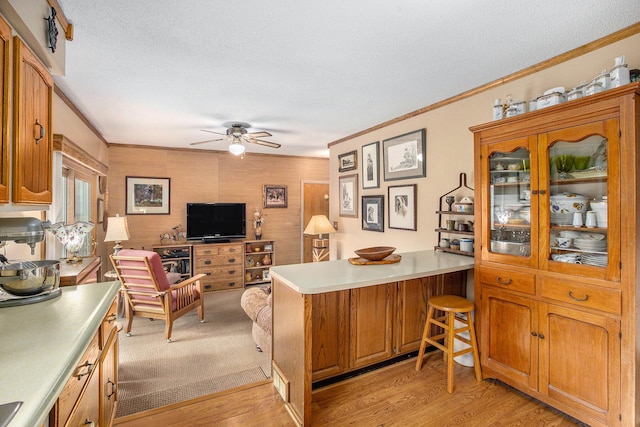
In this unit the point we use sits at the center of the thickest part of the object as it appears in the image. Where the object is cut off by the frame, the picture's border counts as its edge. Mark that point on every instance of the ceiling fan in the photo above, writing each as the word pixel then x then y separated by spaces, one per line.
pixel 237 133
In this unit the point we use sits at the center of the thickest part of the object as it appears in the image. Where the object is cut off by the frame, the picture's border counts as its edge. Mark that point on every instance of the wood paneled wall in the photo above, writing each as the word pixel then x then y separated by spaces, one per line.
pixel 214 176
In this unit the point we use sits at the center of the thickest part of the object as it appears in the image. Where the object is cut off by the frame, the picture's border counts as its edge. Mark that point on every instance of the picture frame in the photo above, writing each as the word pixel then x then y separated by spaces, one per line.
pixel 371 165
pixel 404 156
pixel 274 196
pixel 268 247
pixel 373 213
pixel 148 196
pixel 348 161
pixel 403 207
pixel 348 185
pixel 266 275
pixel 100 210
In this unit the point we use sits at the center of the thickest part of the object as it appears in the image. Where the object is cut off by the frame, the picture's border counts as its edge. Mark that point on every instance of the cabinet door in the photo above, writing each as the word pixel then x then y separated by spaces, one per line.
pixel 330 334
pixel 5 41
pixel 32 130
pixel 370 324
pixel 109 381
pixel 580 175
pixel 508 339
pixel 412 312
pixel 508 203
pixel 580 361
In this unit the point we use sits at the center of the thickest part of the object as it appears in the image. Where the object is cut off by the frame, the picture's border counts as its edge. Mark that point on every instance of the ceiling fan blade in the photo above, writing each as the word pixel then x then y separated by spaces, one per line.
pixel 210 131
pixel 261 134
pixel 265 143
pixel 208 140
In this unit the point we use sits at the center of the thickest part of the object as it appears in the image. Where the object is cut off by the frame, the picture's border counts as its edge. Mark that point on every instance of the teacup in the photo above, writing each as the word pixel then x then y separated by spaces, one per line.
pixel 563 242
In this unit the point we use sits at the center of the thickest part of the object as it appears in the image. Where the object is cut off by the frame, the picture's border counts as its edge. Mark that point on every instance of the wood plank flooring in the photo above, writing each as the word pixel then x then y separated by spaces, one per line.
pixel 397 395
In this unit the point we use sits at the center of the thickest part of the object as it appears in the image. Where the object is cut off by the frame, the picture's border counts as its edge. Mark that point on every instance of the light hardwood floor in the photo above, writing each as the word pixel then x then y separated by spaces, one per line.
pixel 397 395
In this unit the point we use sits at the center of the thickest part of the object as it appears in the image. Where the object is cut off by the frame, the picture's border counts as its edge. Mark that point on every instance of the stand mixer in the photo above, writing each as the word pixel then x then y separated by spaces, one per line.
pixel 26 282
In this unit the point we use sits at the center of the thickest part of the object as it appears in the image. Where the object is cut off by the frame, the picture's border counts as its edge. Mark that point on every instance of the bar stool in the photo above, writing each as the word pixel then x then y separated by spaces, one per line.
pixel 450 305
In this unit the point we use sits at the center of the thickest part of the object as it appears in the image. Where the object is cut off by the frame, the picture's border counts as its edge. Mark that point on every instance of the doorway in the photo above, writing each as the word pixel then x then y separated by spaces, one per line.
pixel 315 201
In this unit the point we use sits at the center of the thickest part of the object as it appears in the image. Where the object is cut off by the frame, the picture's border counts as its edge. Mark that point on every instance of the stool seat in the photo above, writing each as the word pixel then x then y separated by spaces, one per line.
pixel 450 305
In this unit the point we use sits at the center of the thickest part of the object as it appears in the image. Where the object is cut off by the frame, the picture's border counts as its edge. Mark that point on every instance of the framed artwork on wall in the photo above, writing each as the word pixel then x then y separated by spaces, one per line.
pixel 403 207
pixel 349 195
pixel 373 213
pixel 348 161
pixel 147 196
pixel 275 196
pixel 404 156
pixel 370 165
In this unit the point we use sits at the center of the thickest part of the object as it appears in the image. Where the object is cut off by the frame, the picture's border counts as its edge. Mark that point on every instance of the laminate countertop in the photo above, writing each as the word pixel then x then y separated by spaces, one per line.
pixel 41 344
pixel 329 276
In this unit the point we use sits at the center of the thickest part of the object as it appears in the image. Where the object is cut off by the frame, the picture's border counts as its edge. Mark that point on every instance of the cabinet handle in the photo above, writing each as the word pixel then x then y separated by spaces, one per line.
pixel 534 191
pixel 113 388
pixel 533 334
pixel 111 318
pixel 38 131
pixel 208 273
pixel 586 297
pixel 503 282
pixel 232 272
pixel 543 191
pixel 231 284
pixel 88 422
pixel 207 262
pixel 232 260
pixel 541 336
pixel 89 367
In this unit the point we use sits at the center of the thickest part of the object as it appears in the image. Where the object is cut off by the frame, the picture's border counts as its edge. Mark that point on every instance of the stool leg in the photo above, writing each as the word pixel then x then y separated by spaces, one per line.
pixel 449 345
pixel 474 344
pixel 425 334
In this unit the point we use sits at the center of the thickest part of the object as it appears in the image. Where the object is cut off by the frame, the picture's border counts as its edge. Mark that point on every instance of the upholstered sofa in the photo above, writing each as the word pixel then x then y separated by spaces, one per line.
pixel 256 302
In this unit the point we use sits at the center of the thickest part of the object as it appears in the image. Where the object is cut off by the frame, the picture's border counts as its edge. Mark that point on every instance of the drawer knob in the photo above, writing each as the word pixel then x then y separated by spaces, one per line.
pixel 501 281
pixel 232 272
pixel 534 334
pixel 586 297
pixel 88 422
pixel 207 262
pixel 232 260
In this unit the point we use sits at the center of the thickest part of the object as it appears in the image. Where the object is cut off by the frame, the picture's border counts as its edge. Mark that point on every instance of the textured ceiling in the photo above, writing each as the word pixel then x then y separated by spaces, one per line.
pixel 152 72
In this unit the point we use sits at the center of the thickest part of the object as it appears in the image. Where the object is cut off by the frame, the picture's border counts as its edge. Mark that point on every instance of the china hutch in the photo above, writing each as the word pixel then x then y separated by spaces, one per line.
pixel 556 268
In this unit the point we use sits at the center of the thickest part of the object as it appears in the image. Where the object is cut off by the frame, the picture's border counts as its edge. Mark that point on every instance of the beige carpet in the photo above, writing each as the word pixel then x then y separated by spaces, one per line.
pixel 203 358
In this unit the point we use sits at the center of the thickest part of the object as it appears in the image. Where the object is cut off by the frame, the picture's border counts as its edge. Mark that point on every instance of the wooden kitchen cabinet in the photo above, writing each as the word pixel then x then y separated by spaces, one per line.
pixel 32 128
pixel 556 320
pixel 5 58
pixel 361 327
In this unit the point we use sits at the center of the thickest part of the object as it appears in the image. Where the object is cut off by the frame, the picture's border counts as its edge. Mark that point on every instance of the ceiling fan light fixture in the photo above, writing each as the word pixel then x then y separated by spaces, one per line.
pixel 236 148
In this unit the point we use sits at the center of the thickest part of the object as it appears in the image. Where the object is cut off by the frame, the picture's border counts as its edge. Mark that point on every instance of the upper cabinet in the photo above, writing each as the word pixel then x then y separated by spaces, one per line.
pixel 32 128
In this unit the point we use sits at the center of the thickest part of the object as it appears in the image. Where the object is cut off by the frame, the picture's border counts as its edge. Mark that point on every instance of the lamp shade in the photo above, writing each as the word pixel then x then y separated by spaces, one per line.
pixel 117 229
pixel 319 224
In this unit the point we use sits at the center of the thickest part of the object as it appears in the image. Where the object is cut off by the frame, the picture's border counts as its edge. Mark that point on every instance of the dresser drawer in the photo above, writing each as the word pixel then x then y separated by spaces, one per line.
pixel 581 294
pixel 81 374
pixel 217 284
pixel 221 273
pixel 217 249
pixel 508 279
pixel 218 260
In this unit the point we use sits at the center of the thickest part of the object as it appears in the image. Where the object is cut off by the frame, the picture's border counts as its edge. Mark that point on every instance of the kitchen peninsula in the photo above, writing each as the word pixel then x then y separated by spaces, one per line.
pixel 43 343
pixel 333 317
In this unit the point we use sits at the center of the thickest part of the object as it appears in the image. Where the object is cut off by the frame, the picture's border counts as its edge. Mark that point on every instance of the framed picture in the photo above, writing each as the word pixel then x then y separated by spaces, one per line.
pixel 268 247
pixel 275 196
pixel 100 211
pixel 348 161
pixel 404 156
pixel 148 196
pixel 402 207
pixel 373 213
pixel 266 275
pixel 370 165
pixel 349 195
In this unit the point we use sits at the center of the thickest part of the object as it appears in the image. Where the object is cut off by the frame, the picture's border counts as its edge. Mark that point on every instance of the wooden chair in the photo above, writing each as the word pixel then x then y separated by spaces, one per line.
pixel 149 294
pixel 450 305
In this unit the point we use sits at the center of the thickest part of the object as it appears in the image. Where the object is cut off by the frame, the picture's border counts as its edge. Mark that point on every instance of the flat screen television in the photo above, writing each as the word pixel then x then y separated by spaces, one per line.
pixel 211 222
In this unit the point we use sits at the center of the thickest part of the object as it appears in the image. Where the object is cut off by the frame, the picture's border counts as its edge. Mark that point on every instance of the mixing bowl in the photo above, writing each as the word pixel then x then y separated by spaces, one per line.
pixel 29 277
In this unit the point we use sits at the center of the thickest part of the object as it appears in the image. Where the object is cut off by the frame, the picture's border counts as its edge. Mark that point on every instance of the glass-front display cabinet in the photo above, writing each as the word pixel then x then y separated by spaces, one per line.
pixel 547 199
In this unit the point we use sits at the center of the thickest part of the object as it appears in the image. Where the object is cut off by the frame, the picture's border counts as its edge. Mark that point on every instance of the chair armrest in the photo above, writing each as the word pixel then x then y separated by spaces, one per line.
pixel 189 281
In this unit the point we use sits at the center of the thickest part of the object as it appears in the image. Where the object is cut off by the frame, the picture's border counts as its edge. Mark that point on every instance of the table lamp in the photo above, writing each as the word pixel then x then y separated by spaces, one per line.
pixel 117 231
pixel 319 224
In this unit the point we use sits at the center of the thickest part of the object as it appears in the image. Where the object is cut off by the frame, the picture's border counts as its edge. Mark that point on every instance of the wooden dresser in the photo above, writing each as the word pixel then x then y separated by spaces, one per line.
pixel 222 263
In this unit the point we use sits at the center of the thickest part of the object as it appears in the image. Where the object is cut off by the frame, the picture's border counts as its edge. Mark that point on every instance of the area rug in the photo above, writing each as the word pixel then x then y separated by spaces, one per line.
pixel 204 358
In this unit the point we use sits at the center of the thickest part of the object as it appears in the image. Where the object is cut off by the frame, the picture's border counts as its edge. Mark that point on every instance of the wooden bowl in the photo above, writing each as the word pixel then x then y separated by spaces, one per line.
pixel 375 253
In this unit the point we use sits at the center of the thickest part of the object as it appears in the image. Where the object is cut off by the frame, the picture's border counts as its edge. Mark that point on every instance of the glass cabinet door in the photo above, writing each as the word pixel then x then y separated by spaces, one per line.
pixel 581 175
pixel 510 224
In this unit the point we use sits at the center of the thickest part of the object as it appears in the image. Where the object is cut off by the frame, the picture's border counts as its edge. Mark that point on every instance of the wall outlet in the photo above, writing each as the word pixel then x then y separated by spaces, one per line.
pixel 280 384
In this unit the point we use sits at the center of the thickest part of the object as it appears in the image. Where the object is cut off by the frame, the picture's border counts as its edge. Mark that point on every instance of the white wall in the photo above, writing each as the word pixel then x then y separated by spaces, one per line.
pixel 450 149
